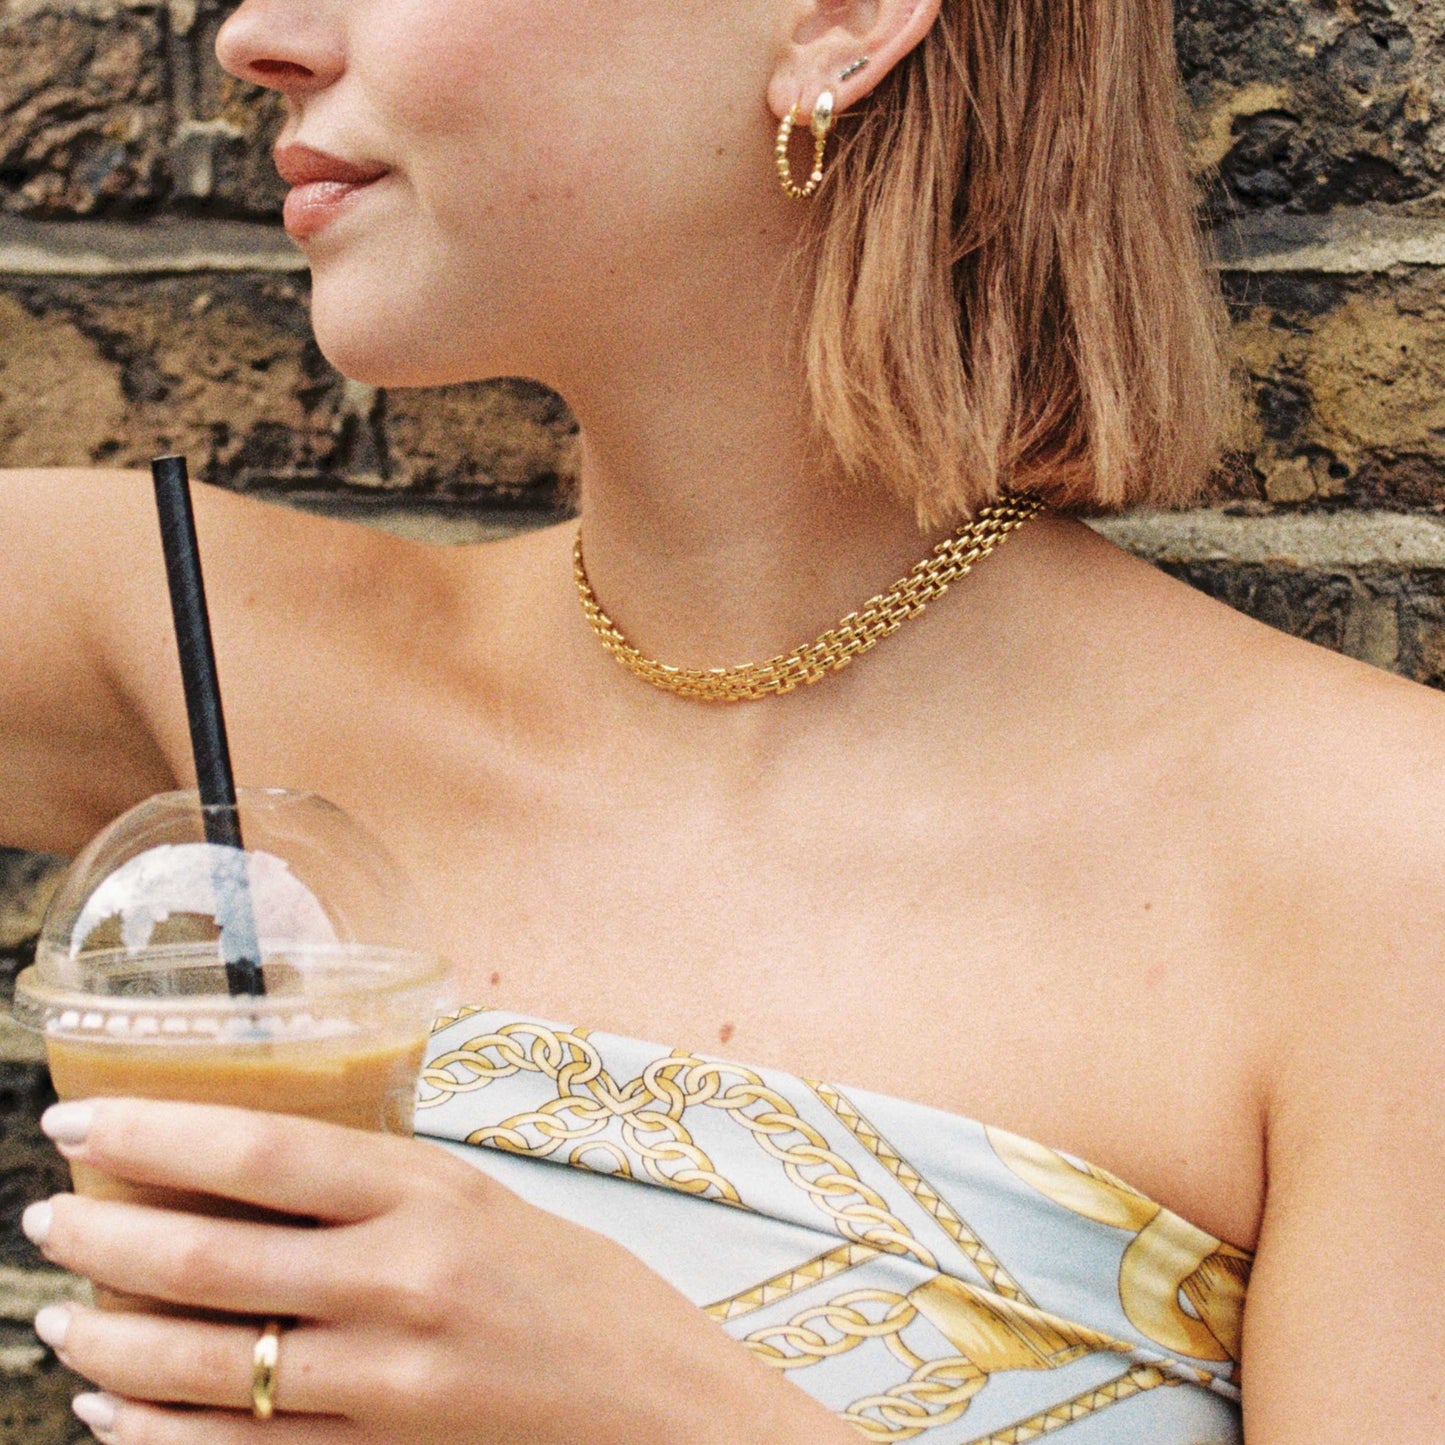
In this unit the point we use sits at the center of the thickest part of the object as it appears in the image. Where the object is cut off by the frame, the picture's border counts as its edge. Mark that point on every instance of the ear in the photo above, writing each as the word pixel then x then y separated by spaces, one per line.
pixel 823 39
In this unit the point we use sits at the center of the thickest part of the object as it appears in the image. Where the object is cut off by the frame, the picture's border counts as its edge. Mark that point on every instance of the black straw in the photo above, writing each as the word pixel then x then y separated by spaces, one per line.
pixel 208 722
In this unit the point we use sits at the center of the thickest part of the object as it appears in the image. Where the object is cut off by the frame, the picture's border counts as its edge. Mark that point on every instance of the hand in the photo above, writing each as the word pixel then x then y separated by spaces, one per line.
pixel 432 1304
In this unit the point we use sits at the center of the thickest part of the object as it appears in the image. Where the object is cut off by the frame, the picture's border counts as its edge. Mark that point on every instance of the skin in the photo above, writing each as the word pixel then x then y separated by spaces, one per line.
pixel 1078 853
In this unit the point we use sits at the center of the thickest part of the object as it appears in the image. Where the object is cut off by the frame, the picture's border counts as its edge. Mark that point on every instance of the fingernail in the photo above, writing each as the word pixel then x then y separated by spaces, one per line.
pixel 52 1324
pixel 68 1123
pixel 36 1222
pixel 97 1411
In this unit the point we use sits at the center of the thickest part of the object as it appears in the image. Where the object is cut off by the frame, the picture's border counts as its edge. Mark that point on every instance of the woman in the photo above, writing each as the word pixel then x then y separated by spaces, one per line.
pixel 1076 852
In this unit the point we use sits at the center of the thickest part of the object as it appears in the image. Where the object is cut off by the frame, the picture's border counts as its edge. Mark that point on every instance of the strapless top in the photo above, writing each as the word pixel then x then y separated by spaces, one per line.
pixel 913 1270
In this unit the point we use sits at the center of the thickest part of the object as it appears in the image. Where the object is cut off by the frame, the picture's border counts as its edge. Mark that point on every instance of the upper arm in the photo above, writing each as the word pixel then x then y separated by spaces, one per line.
pixel 79 563
pixel 1344 1332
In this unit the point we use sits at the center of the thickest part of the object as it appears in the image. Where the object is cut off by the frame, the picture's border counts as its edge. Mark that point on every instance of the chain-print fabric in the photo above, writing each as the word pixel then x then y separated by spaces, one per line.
pixel 919 1273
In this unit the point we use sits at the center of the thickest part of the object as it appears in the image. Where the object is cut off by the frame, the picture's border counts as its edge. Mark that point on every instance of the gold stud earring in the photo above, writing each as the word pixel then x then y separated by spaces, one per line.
pixel 821 126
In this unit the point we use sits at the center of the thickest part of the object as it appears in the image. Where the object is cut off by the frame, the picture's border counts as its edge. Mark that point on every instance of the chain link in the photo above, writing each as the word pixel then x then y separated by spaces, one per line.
pixel 648 1112
pixel 835 649
pixel 1000 1329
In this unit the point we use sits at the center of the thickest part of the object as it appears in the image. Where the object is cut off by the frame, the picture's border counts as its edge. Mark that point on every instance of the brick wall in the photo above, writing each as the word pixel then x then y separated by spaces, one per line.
pixel 148 301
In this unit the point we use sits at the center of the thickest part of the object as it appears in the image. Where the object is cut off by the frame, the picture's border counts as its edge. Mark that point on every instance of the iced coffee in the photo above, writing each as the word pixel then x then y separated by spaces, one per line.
pixel 133 984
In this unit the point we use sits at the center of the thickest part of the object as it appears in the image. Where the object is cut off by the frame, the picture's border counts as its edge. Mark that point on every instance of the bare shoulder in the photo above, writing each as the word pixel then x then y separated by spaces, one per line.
pixel 91 536
pixel 88 689
pixel 278 578
pixel 1282 728
pixel 1323 782
pixel 295 565
pixel 94 550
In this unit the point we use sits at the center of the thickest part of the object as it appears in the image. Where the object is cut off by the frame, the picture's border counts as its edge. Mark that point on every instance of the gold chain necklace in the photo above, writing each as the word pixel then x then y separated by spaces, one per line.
pixel 837 647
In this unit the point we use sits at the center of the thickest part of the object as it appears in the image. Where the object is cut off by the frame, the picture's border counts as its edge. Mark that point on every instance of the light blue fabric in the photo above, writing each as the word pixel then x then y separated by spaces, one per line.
pixel 911 1269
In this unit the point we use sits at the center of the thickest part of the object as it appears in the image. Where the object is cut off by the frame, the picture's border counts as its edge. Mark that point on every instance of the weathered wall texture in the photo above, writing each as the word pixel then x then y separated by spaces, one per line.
pixel 148 301
pixel 1315 106
pixel 222 367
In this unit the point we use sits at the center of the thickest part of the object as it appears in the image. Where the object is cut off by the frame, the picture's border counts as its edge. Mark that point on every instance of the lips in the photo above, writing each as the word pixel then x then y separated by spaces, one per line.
pixel 323 186
pixel 302 165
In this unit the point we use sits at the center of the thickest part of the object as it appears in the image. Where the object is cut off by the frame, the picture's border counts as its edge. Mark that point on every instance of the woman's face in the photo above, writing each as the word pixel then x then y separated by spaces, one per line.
pixel 552 173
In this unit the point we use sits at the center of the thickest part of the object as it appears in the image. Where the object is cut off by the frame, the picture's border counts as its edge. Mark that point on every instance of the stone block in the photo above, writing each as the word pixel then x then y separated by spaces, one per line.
pixel 168 246
pixel 220 148
pixel 30 1168
pixel 27 881
pixel 1345 382
pixel 119 108
pixel 60 398
pixel 82 108
pixel 1422 633
pixel 35 1391
pixel 223 367
pixel 35 1403
pixel 1315 105
pixel 515 438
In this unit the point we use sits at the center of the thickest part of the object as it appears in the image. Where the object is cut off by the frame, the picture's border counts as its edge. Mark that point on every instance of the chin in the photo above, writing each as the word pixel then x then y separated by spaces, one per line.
pixel 377 344
pixel 360 360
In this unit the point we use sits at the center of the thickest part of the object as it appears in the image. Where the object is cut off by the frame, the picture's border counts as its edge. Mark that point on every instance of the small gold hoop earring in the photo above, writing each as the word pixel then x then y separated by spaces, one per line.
pixel 821 125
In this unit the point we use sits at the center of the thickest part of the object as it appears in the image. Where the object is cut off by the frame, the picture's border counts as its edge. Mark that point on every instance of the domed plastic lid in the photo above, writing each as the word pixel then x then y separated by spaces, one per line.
pixel 151 909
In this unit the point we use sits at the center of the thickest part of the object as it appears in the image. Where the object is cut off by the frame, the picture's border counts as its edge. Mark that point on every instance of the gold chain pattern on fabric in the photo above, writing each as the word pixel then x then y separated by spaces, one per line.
pixel 939 1391
pixel 854 635
pixel 982 1258
pixel 802 1340
pixel 648 1110
pixel 1167 1261
pixel 994 1329
pixel 936 1392
pixel 827 1265
pixel 1139 1379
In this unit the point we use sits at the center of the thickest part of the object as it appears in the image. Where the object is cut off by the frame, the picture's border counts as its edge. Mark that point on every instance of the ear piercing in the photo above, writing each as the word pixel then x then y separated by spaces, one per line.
pixel 821 125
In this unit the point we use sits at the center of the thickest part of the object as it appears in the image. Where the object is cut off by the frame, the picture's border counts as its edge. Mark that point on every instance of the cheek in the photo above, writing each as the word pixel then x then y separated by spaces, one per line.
pixel 532 137
pixel 470 95
pixel 506 77
pixel 439 70
pixel 524 131
pixel 524 98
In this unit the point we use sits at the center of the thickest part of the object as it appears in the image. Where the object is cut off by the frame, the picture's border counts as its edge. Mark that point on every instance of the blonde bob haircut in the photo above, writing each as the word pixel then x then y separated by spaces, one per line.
pixel 1008 285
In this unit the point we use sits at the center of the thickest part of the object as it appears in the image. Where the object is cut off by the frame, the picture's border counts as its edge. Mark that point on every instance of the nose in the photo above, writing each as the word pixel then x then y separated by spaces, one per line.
pixel 285 45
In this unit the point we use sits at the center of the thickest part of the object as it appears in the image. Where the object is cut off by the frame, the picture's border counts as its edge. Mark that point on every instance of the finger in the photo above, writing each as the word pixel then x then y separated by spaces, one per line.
pixel 130 1422
pixel 274 1161
pixel 186 1362
pixel 199 1262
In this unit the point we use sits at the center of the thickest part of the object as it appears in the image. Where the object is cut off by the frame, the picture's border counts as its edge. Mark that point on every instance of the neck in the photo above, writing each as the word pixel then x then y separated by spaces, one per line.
pixel 714 533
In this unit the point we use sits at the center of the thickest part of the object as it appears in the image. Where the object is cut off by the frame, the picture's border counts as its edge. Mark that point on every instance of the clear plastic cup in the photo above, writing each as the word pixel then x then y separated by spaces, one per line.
pixel 131 991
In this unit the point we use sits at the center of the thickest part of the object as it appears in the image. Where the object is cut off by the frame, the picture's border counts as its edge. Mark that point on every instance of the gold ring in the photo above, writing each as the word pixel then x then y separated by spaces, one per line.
pixel 263 1372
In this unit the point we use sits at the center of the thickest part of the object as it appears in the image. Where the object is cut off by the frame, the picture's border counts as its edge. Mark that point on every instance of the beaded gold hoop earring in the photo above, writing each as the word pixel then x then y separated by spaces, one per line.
pixel 821 126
